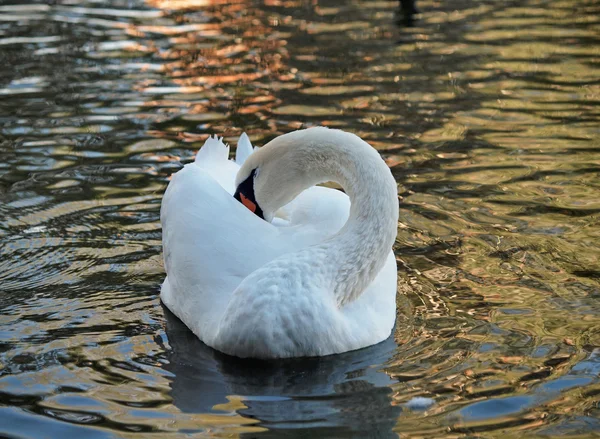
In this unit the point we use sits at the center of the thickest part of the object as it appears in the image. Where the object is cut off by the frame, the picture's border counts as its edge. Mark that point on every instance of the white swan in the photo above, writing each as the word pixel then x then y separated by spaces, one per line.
pixel 319 280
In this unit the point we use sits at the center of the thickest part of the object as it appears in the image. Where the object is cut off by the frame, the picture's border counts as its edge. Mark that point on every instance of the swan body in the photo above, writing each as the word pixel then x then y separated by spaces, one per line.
pixel 315 277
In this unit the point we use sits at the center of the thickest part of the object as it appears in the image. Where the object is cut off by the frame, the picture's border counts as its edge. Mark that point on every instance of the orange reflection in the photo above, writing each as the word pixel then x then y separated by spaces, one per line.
pixel 218 62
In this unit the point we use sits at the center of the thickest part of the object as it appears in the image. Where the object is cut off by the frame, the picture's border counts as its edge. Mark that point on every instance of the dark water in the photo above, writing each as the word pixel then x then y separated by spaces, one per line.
pixel 488 113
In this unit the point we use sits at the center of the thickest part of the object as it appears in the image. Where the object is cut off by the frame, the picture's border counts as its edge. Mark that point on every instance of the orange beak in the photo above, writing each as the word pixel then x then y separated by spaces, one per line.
pixel 249 204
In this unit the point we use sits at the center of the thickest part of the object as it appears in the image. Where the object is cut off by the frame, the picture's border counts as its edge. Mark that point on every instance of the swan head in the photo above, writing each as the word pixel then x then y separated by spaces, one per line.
pixel 274 175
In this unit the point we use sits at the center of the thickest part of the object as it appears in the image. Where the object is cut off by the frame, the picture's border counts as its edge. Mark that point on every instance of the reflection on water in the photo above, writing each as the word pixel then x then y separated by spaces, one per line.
pixel 487 113
pixel 348 390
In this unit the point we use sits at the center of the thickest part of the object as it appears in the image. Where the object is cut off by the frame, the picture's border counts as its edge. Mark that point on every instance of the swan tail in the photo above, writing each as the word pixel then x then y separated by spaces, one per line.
pixel 213 150
pixel 244 149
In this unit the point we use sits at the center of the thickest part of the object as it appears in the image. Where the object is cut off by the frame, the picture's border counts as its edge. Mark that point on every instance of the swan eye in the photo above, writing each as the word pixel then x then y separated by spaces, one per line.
pixel 245 194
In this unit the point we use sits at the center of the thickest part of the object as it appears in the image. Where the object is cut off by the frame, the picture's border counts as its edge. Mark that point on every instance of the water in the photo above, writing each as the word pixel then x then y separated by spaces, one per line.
pixel 487 113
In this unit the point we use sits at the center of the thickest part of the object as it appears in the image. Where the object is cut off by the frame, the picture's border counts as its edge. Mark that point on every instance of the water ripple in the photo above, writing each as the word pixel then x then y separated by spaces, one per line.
pixel 487 114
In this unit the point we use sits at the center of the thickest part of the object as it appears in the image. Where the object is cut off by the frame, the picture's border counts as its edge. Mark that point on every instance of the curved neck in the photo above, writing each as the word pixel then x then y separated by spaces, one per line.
pixel 354 256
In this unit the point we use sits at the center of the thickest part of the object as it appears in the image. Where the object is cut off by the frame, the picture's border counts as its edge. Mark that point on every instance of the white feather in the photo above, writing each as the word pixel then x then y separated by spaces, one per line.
pixel 244 149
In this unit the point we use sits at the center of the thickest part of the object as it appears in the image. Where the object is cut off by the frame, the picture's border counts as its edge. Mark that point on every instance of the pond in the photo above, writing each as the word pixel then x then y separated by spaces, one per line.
pixel 487 113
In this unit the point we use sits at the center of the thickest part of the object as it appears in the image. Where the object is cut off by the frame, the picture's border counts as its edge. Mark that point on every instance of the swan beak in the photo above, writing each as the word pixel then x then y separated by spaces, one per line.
pixel 248 203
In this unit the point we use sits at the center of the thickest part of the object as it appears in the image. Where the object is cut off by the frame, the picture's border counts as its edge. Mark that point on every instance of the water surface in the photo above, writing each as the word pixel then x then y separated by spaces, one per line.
pixel 488 114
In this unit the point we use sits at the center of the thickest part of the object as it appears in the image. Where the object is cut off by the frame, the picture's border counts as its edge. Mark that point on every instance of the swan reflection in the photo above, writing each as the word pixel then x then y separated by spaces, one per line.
pixel 343 394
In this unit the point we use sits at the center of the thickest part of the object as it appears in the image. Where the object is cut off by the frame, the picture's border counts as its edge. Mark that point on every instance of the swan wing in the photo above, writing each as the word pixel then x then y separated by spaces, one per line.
pixel 244 149
pixel 211 242
pixel 213 157
pixel 210 238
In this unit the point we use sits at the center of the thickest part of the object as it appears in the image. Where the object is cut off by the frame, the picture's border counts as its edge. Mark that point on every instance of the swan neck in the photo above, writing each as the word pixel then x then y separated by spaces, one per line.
pixel 355 255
